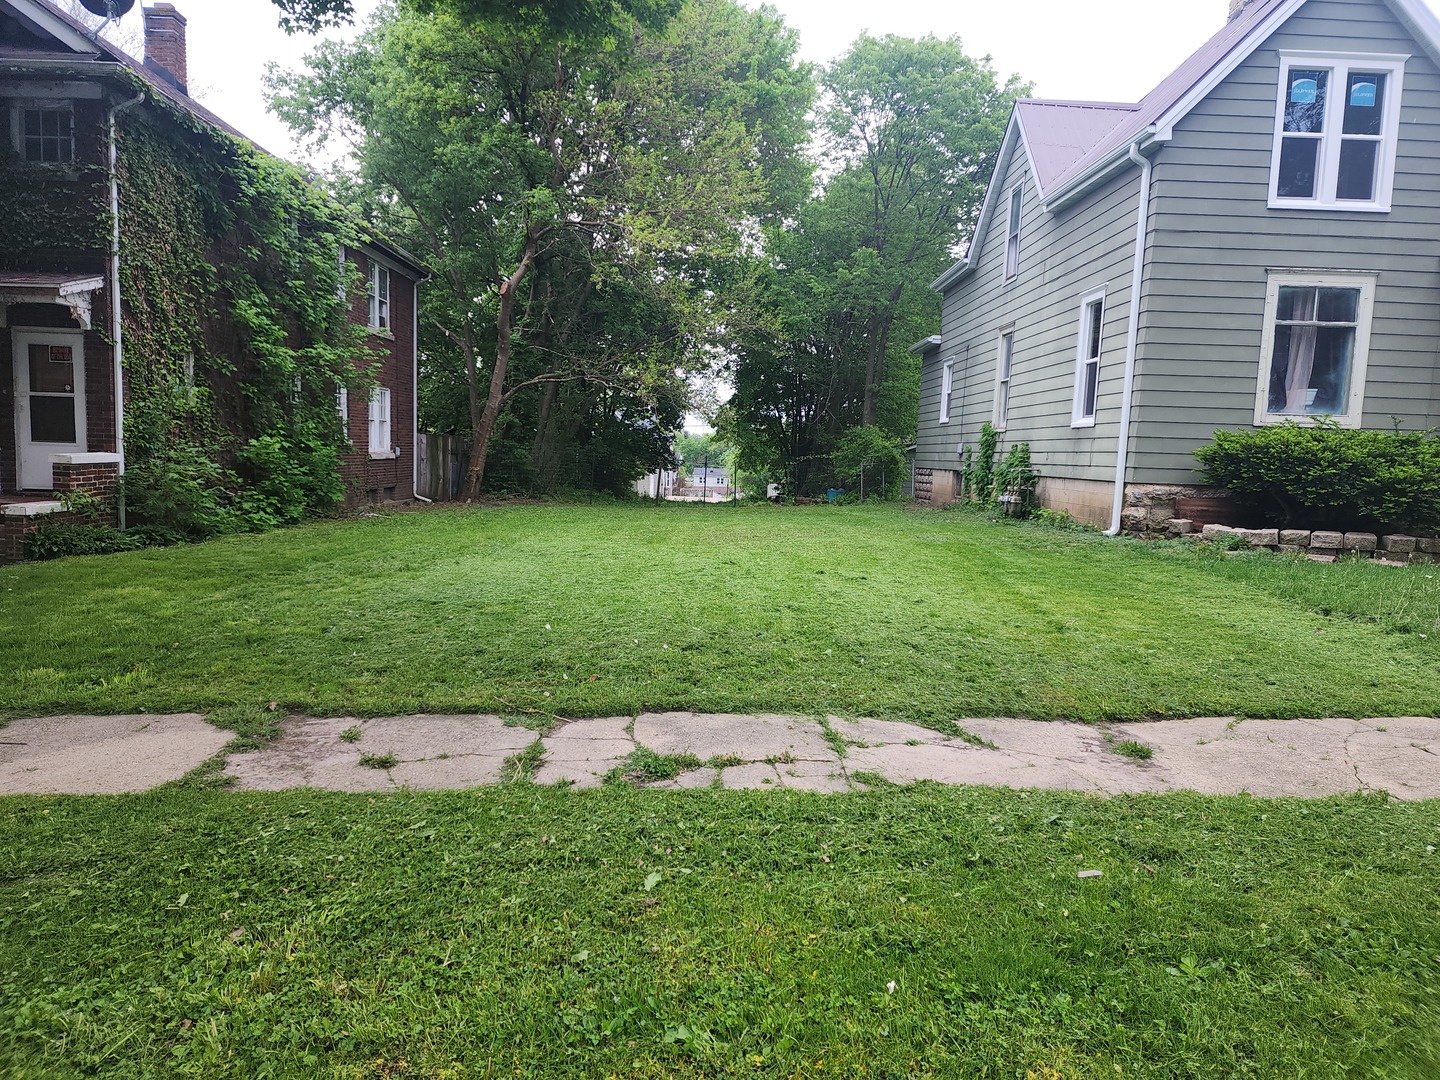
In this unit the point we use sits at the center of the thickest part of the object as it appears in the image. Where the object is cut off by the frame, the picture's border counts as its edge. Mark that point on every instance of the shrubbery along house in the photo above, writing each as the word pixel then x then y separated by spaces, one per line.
pixel 263 340
pixel 1257 241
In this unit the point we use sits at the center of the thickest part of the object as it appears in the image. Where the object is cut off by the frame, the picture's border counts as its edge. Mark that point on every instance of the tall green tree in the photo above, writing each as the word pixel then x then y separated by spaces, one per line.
pixel 579 200
pixel 578 17
pixel 910 131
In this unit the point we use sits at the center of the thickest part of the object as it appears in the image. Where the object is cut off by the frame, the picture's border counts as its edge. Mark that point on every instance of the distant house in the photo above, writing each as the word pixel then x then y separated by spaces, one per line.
pixel 73 367
pixel 709 477
pixel 1253 242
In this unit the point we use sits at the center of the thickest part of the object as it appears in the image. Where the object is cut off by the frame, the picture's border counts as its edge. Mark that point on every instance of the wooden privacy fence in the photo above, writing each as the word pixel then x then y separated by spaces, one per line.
pixel 440 464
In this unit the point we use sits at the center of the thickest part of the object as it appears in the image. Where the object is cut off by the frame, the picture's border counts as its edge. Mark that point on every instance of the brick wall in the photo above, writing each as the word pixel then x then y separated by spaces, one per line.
pixel 390 479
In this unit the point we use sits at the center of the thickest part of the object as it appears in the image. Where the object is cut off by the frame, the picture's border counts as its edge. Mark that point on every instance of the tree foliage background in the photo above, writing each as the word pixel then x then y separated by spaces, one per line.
pixel 619 196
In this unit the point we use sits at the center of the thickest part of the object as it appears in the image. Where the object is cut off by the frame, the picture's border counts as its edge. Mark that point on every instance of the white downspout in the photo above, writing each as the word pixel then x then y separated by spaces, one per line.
pixel 415 392
pixel 1132 338
pixel 116 327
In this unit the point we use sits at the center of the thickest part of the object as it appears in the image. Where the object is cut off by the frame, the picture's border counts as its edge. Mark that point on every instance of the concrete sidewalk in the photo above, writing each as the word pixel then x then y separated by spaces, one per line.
pixel 105 755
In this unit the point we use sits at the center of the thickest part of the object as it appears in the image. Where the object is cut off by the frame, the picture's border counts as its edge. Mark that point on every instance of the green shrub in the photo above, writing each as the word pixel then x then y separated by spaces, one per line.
pixel 868 453
pixel 180 491
pixel 1322 475
pixel 58 539
pixel 286 478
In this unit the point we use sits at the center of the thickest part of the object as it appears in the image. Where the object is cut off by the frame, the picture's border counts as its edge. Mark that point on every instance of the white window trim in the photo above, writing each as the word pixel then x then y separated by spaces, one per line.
pixel 1082 359
pixel 1364 280
pixel 947 390
pixel 342 409
pixel 1013 231
pixel 376 269
pixel 1340 64
pixel 1000 420
pixel 380 423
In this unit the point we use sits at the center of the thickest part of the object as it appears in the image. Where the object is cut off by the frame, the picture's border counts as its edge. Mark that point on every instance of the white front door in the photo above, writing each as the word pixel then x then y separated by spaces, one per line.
pixel 49 401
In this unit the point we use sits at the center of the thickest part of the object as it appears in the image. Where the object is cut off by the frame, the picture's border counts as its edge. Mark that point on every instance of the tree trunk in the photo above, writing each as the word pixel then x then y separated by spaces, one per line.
pixel 876 344
pixel 480 447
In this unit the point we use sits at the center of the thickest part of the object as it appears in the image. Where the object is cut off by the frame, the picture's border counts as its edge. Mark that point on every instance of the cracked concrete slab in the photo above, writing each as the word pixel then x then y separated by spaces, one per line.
pixel 103 755
pixel 751 738
pixel 1214 755
pixel 433 751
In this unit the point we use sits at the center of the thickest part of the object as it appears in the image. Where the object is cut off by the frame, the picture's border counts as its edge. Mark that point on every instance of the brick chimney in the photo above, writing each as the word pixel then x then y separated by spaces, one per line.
pixel 1238 8
pixel 165 44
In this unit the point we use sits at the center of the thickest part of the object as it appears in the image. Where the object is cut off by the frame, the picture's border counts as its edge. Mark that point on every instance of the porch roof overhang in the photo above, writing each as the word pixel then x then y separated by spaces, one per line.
pixel 73 291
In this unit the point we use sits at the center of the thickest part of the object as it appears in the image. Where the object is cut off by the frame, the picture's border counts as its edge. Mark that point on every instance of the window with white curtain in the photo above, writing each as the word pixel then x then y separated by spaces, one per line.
pixel 1315 347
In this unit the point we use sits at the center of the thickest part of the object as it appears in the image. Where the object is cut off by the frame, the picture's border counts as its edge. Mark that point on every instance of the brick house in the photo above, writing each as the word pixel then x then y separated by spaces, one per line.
pixel 63 318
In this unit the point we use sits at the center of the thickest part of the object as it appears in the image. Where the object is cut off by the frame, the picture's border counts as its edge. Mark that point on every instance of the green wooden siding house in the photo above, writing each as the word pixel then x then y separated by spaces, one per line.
pixel 1277 200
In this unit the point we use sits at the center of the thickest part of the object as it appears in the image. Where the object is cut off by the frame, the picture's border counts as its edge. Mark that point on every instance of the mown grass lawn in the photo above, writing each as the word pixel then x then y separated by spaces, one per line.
pixel 613 610
pixel 536 932
pixel 526 932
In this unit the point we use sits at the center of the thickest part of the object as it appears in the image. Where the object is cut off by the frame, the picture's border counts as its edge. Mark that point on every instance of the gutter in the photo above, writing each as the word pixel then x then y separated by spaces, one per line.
pixel 1132 336
pixel 116 323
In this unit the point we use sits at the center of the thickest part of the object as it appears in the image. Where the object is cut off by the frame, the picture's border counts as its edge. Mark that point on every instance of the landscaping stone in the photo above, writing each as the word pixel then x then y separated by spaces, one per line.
pixel 103 755
pixel 1295 537
pixel 1291 549
pixel 1262 537
pixel 1210 532
pixel 1321 556
pixel 1358 541
pixel 1429 544
pixel 1398 543
pixel 1327 540
pixel 1389 562
pixel 1180 527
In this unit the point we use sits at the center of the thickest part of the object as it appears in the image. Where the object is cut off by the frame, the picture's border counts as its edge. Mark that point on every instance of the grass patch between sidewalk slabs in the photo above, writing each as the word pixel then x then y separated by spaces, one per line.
pixel 573 611
pixel 538 932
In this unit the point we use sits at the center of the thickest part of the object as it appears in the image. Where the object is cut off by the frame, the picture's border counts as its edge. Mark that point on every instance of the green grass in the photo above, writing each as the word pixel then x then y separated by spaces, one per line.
pixel 583 611
pixel 523 931
pixel 1132 749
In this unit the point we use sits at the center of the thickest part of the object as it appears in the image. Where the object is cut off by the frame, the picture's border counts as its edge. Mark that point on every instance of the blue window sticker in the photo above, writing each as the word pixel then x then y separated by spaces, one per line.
pixel 1303 91
pixel 1362 95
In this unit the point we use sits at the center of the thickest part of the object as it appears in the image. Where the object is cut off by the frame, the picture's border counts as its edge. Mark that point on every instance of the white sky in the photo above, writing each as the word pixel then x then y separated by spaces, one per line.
pixel 1102 50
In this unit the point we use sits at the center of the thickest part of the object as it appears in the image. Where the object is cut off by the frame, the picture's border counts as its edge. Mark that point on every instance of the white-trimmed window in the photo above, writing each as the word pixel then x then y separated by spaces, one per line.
pixel 947 390
pixel 45 132
pixel 1012 235
pixel 1315 346
pixel 1336 129
pixel 1089 345
pixel 379 297
pixel 342 409
pixel 1004 369
pixel 380 423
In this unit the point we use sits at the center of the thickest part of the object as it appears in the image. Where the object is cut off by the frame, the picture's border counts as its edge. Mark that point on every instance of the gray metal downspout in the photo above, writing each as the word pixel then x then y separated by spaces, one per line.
pixel 1132 338
pixel 116 328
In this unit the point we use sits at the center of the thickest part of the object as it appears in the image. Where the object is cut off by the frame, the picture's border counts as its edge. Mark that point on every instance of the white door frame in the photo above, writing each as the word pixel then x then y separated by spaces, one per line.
pixel 32 460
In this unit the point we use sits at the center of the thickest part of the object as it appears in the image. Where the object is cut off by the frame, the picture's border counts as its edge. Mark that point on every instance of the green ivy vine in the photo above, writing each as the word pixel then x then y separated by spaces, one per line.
pixel 236 330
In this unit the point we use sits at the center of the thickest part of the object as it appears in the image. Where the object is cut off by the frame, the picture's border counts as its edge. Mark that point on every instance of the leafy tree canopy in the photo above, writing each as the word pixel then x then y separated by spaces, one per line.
pixel 575 17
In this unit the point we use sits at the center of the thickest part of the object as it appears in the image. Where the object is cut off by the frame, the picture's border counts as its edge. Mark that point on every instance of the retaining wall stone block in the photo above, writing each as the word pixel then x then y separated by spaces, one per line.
pixel 1210 532
pixel 1295 537
pixel 1327 540
pixel 1357 541
pixel 1398 543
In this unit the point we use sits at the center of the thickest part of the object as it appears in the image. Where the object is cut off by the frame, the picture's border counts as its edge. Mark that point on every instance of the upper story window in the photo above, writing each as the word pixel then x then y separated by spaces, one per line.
pixel 379 297
pixel 45 133
pixel 1336 131
pixel 1315 346
pixel 1012 235
pixel 947 390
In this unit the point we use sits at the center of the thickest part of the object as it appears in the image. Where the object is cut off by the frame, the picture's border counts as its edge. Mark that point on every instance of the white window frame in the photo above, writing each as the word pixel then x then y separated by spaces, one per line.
pixel 17 128
pixel 1362 280
pixel 947 390
pixel 1012 232
pixel 342 409
pixel 1341 65
pixel 379 423
pixel 1088 310
pixel 1004 377
pixel 379 296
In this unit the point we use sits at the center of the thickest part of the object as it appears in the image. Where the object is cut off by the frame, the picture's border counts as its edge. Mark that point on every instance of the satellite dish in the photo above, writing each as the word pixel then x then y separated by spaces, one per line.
pixel 109 9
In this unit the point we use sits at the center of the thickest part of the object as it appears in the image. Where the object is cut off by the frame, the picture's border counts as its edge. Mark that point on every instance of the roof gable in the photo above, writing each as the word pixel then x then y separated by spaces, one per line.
pixel 1056 133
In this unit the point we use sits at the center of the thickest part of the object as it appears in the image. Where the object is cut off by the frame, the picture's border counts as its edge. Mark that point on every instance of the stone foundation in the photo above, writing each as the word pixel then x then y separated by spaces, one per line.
pixel 1087 501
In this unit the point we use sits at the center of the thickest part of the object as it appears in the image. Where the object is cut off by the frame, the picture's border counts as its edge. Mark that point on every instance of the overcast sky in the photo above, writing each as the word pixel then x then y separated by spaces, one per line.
pixel 1099 50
